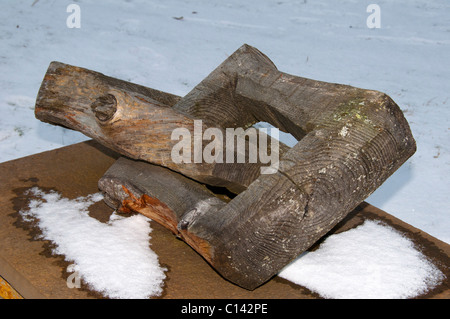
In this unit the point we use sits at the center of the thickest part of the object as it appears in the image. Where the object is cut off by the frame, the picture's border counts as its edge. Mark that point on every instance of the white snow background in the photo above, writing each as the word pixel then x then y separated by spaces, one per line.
pixel 141 41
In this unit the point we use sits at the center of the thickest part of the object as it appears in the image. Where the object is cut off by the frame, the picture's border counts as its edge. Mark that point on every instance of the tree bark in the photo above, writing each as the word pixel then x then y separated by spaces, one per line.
pixel 350 141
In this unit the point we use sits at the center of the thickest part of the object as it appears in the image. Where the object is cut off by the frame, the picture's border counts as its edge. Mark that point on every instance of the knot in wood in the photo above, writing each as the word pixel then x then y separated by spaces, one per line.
pixel 104 107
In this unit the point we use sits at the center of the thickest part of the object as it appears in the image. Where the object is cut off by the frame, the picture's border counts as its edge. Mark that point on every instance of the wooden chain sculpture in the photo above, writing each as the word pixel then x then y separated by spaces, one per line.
pixel 350 140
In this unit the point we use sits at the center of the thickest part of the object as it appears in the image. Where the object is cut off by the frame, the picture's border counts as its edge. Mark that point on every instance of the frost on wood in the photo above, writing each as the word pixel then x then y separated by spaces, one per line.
pixel 350 141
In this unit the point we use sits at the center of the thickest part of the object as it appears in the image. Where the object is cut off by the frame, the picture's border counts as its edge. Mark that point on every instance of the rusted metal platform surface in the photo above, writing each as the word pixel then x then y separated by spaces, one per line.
pixel 32 271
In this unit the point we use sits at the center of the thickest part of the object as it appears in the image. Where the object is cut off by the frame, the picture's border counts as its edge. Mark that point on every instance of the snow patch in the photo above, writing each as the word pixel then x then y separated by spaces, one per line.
pixel 371 261
pixel 112 258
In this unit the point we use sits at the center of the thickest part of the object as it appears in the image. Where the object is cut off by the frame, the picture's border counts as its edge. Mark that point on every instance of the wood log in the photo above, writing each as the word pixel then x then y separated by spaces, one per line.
pixel 350 141
pixel 164 196
pixel 138 122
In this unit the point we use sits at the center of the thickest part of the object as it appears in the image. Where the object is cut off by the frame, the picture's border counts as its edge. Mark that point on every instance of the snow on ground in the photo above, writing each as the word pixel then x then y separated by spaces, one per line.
pixel 141 41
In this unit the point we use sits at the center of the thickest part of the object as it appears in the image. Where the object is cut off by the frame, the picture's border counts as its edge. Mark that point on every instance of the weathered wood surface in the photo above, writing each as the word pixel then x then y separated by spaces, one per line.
pixel 133 120
pixel 350 141
pixel 166 197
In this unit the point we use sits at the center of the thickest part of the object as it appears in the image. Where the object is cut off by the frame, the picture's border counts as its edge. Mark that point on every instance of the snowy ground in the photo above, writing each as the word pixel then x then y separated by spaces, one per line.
pixel 141 41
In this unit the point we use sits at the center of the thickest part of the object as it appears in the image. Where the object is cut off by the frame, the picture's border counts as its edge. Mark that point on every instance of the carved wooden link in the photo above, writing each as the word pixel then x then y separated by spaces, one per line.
pixel 350 141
